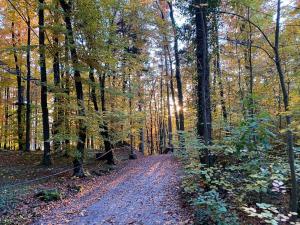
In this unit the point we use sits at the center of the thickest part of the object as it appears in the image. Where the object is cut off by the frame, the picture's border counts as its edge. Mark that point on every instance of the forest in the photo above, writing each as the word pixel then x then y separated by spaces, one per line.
pixel 150 112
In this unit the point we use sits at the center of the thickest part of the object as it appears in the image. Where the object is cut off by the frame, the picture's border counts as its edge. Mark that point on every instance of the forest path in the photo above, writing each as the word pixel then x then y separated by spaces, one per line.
pixel 145 191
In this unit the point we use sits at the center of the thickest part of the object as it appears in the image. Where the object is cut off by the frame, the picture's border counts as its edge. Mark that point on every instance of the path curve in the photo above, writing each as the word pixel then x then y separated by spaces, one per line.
pixel 144 192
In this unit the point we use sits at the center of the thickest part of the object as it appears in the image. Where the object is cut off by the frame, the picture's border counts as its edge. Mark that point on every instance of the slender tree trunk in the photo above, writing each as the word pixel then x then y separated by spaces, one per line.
pixel 241 91
pixel 93 89
pixel 218 67
pixel 67 92
pixel 78 160
pixel 250 64
pixel 289 134
pixel 170 129
pixel 104 131
pixel 151 130
pixel 36 122
pixel 173 92
pixel 57 114
pixel 162 114
pixel 177 67
pixel 28 98
pixel 130 118
pixel 156 123
pixel 6 118
pixel 151 123
pixel 45 113
pixel 140 108
pixel 279 110
pixel 20 102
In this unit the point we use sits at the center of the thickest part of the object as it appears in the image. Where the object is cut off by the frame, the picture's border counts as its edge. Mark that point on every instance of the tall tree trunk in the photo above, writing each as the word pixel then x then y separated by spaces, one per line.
pixel 203 87
pixel 156 122
pixel 151 130
pixel 170 130
pixel 36 122
pixel 57 114
pixel 78 160
pixel 28 98
pixel 279 110
pixel 20 102
pixel 130 117
pixel 104 131
pixel 45 113
pixel 218 66
pixel 93 95
pixel 241 91
pixel 290 144
pixel 140 108
pixel 67 98
pixel 250 65
pixel 6 118
pixel 151 123
pixel 177 68
pixel 161 114
pixel 173 91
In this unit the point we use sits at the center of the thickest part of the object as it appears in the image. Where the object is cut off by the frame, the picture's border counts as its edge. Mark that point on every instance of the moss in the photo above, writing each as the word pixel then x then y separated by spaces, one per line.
pixel 49 195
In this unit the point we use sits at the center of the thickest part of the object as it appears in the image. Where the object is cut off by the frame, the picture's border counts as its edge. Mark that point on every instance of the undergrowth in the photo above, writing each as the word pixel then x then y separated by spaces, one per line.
pixel 241 179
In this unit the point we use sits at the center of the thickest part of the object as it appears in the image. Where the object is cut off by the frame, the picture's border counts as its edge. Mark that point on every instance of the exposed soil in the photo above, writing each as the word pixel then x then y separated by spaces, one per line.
pixel 144 191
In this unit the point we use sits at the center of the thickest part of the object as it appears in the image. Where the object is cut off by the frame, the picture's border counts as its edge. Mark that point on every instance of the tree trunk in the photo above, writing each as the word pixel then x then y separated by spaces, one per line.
pixel 203 87
pixel 78 161
pixel 161 115
pixel 6 118
pixel 104 135
pixel 28 99
pixel 130 117
pixel 241 91
pixel 170 130
pixel 45 113
pixel 289 134
pixel 218 67
pixel 36 121
pixel 67 92
pixel 20 102
pixel 173 92
pixel 177 67
pixel 57 114
pixel 140 108
pixel 250 64
pixel 93 89
pixel 104 131
pixel 151 126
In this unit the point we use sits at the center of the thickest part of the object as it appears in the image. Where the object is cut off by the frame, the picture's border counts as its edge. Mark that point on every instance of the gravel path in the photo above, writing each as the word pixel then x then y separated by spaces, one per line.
pixel 145 191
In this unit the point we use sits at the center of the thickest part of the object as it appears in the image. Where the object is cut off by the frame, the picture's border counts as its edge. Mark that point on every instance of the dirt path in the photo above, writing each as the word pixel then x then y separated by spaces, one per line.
pixel 145 191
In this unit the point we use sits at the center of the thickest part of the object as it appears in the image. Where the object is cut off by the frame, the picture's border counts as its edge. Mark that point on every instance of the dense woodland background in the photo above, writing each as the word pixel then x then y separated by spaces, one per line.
pixel 217 82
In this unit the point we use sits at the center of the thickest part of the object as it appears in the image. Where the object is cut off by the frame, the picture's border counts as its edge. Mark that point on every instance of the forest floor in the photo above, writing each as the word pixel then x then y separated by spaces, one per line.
pixel 143 191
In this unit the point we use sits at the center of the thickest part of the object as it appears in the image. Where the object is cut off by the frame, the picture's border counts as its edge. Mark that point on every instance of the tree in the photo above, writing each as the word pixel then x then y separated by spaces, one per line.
pixel 285 94
pixel 44 101
pixel 177 68
pixel 277 60
pixel 217 63
pixel 78 161
pixel 203 84
pixel 57 118
pixel 28 98
pixel 20 102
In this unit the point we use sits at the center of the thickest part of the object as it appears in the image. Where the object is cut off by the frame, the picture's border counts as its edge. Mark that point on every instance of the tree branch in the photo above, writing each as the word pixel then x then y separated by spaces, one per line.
pixel 252 23
pixel 245 44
